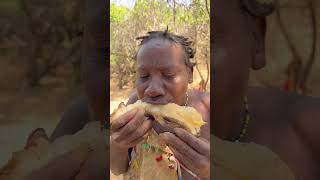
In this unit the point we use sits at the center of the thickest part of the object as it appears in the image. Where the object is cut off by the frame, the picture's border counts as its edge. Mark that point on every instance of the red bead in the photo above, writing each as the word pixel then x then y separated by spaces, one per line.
pixel 159 158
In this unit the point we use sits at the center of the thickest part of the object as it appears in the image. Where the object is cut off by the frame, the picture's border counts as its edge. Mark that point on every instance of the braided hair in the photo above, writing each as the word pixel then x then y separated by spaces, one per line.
pixel 181 40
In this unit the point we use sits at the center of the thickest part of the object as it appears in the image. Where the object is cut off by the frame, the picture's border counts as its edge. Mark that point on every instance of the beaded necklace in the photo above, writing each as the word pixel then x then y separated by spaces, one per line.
pixel 187 98
pixel 245 123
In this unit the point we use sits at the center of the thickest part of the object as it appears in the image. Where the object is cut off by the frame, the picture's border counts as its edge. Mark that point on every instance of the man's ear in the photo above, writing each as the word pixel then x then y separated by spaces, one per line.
pixel 258 32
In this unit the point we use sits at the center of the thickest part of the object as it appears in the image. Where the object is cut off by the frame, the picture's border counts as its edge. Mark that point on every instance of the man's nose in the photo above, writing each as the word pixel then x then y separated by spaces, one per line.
pixel 154 89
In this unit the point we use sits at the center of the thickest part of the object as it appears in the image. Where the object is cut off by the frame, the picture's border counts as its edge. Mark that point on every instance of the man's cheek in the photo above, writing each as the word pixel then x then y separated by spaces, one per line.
pixel 178 88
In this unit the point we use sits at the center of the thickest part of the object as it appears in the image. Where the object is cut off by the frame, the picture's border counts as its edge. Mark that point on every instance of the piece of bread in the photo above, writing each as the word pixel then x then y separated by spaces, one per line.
pixel 171 115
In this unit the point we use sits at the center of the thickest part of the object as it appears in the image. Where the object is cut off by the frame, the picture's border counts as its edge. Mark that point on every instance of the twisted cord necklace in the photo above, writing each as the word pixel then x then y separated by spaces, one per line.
pixel 187 98
pixel 245 123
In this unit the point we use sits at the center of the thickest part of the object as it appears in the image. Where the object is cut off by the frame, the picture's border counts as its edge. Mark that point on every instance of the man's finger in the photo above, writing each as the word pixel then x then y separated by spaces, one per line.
pixel 199 167
pixel 123 120
pixel 135 142
pixel 183 159
pixel 198 144
pixel 132 125
pixel 140 132
pixel 179 145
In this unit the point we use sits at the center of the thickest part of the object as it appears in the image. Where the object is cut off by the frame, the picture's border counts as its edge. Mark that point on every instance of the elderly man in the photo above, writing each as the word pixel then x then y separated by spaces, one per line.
pixel 164 70
pixel 288 124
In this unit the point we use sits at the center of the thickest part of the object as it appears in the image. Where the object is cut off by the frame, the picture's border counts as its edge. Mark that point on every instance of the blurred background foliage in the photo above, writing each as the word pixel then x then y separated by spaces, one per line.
pixel 189 18
pixel 40 38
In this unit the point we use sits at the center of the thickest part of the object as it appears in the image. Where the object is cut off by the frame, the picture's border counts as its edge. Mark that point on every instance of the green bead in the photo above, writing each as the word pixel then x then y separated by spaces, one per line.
pixel 145 146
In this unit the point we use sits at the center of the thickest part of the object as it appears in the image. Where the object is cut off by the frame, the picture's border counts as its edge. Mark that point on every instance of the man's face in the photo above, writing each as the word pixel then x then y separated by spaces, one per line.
pixel 232 51
pixel 162 75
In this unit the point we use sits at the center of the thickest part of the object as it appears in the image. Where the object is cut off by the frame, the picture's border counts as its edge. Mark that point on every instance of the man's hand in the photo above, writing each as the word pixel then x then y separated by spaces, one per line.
pixel 129 129
pixel 192 152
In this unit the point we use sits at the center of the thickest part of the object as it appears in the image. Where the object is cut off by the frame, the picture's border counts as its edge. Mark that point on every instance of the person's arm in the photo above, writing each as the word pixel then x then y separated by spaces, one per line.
pixel 73 119
pixel 119 160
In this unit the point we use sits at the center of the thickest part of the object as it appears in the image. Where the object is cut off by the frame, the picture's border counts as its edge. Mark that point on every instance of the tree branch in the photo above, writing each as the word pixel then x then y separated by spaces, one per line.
pixel 207 8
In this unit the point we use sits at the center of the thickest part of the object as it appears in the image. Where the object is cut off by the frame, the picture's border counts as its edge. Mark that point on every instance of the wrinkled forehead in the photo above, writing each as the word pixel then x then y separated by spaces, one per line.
pixel 163 54
pixel 159 47
pixel 158 43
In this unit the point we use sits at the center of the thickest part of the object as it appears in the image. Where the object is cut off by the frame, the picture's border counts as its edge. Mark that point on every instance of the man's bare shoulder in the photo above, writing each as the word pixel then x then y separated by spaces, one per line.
pixel 205 98
pixel 200 98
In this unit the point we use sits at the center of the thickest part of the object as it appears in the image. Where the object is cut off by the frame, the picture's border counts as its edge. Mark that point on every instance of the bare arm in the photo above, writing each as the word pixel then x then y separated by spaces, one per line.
pixel 119 160
pixel 73 119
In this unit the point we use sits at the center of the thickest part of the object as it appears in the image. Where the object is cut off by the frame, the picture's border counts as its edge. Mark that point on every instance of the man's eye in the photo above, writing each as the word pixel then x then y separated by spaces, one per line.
pixel 168 76
pixel 144 76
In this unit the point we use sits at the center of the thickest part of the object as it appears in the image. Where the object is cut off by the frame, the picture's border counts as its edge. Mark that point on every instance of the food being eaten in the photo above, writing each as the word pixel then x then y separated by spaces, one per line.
pixel 169 116
pixel 152 158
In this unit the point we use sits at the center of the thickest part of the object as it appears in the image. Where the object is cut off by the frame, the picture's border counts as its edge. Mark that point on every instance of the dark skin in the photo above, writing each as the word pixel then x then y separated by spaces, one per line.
pixel 163 77
pixel 288 124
